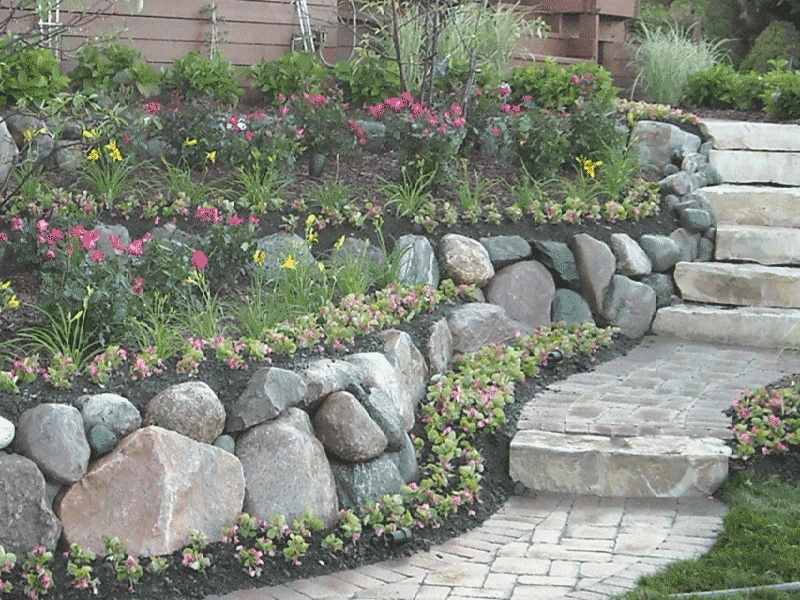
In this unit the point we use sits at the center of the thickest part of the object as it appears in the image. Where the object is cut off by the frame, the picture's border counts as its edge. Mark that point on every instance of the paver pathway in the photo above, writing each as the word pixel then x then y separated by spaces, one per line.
pixel 579 547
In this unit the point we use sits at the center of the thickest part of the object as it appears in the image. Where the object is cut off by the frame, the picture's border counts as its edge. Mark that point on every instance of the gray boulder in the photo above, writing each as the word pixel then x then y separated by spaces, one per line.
pixel 325 376
pixel 116 413
pixel 688 243
pixel 191 409
pixel 466 260
pixel 476 325
pixel 360 483
pixel 631 259
pixel 570 307
pixel 376 371
pixel 101 440
pixel 525 290
pixel 8 153
pixel 596 265
pixel 440 347
pixel 52 436
pixel 662 251
pixel 656 142
pixel 558 259
pixel 418 264
pixel 679 184
pixel 662 285
pixel 278 246
pixel 268 393
pixel 697 220
pixel 406 460
pixel 505 249
pixel 630 305
pixel 7 432
pixel 410 367
pixel 346 430
pixel 382 410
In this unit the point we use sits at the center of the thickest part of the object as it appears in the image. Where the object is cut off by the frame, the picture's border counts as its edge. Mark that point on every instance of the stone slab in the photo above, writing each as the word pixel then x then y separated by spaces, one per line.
pixel 746 326
pixel 739 284
pixel 754 166
pixel 755 204
pixel 656 466
pixel 740 135
pixel 758 243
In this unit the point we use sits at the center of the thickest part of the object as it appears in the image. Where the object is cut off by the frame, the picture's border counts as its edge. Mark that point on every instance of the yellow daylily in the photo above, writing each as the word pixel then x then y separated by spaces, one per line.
pixel 5 285
pixel 212 156
pixel 321 267
pixel 113 151
pixel 13 303
pixel 288 263
pixel 91 134
pixel 589 166
pixel 27 134
pixel 189 142
pixel 339 243
pixel 93 155
pixel 259 257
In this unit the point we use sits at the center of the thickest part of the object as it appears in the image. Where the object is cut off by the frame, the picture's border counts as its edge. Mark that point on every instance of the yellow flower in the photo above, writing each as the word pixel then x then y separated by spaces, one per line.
pixel 212 156
pixel 339 243
pixel 310 219
pixel 113 151
pixel 27 134
pixel 13 303
pixel 321 267
pixel 91 134
pixel 189 142
pixel 288 263
pixel 259 257
pixel 93 155
pixel 5 285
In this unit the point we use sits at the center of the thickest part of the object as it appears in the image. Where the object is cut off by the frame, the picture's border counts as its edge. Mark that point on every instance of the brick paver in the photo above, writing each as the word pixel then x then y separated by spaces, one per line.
pixel 566 547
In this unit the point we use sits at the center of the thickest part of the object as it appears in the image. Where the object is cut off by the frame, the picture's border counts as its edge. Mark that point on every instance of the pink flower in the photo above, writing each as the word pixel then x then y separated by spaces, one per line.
pixel 16 224
pixel 459 122
pixel 152 107
pixel 199 259
pixel 407 97
pixel 49 255
pixel 774 420
pixel 96 256
pixel 376 110
pixel 745 438
pixel 394 103
pixel 743 413
pixel 235 220
pixel 299 133
pixel 249 135
pixel 281 97
pixel 41 225
pixel 135 248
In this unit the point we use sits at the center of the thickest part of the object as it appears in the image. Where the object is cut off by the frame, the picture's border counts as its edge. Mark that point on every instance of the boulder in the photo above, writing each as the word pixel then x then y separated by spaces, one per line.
pixel 360 483
pixel 382 410
pixel 476 325
pixel 662 251
pixel 630 305
pixel 325 376
pixel 570 307
pixel 655 142
pixel 346 430
pixel 114 412
pixel 440 347
pixel 693 161
pixel 705 250
pixel 277 246
pixel 410 366
pixel 268 393
pixel 418 264
pixel 466 260
pixel 596 265
pixel 558 259
pixel 52 436
pixel 105 244
pixel 101 440
pixel 225 442
pixel 697 220
pixel 361 250
pixel 7 431
pixel 679 183
pixel 631 259
pixel 376 371
pixel 27 519
pixel 663 286
pixel 505 249
pixel 525 290
pixel 191 409
pixel 8 152
pixel 406 460
pixel 287 471
pixel 150 491
pixel 688 243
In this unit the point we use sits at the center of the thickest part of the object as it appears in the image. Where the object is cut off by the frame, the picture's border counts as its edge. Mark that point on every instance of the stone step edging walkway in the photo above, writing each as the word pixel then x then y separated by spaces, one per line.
pixel 568 547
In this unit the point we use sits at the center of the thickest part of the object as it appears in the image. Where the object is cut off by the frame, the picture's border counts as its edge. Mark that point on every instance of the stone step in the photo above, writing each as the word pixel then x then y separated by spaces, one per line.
pixel 755 204
pixel 738 284
pixel 757 243
pixel 751 166
pixel 758 327
pixel 741 135
pixel 655 466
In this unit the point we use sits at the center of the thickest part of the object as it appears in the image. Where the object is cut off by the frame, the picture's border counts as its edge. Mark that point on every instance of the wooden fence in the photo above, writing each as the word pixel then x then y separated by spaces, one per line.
pixel 245 31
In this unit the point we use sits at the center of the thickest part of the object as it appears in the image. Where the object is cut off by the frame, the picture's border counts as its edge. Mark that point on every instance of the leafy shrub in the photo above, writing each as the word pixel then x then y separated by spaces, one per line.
pixel 779 40
pixel 535 139
pixel 98 66
pixel 293 72
pixel 592 128
pixel 369 79
pixel 199 76
pixel 722 87
pixel 781 94
pixel 30 74
pixel 557 88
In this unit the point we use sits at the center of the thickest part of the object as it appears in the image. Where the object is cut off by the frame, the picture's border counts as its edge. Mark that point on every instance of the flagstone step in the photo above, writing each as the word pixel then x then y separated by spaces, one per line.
pixel 738 284
pixel 654 466
pixel 751 166
pixel 755 204
pixel 760 327
pixel 742 135
pixel 758 243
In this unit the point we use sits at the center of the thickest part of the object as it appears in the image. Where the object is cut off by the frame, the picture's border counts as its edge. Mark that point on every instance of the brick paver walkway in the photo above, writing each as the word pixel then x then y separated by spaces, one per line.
pixel 569 547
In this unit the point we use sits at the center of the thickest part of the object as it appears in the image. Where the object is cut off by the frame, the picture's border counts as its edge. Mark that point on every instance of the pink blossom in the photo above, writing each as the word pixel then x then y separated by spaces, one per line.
pixel 249 135
pixel 235 220
pixel 394 103
pixel 49 255
pixel 743 413
pixel 575 80
pixel 406 96
pixel 96 256
pixel 376 110
pixel 41 225
pixel 775 421
pixel 135 248
pixel 16 223
pixel 199 259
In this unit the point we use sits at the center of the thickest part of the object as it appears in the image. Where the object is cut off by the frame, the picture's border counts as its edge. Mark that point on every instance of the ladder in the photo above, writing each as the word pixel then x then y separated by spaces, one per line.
pixel 305 25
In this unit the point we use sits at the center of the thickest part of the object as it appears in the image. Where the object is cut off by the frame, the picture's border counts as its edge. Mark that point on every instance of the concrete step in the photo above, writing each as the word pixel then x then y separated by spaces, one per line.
pixel 655 466
pixel 755 204
pixel 741 135
pixel 738 284
pixel 757 243
pixel 751 166
pixel 759 327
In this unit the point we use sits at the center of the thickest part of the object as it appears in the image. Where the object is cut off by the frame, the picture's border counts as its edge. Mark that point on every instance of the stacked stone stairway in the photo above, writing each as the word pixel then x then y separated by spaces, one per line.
pixel 750 293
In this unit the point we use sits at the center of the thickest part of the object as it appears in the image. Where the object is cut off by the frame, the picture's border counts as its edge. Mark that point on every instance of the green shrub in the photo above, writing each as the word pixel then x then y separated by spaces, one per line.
pixel 555 88
pixel 722 87
pixel 369 79
pixel 665 58
pixel 293 72
pixel 591 129
pixel 29 74
pixel 98 66
pixel 197 75
pixel 535 139
pixel 780 40
pixel 781 94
